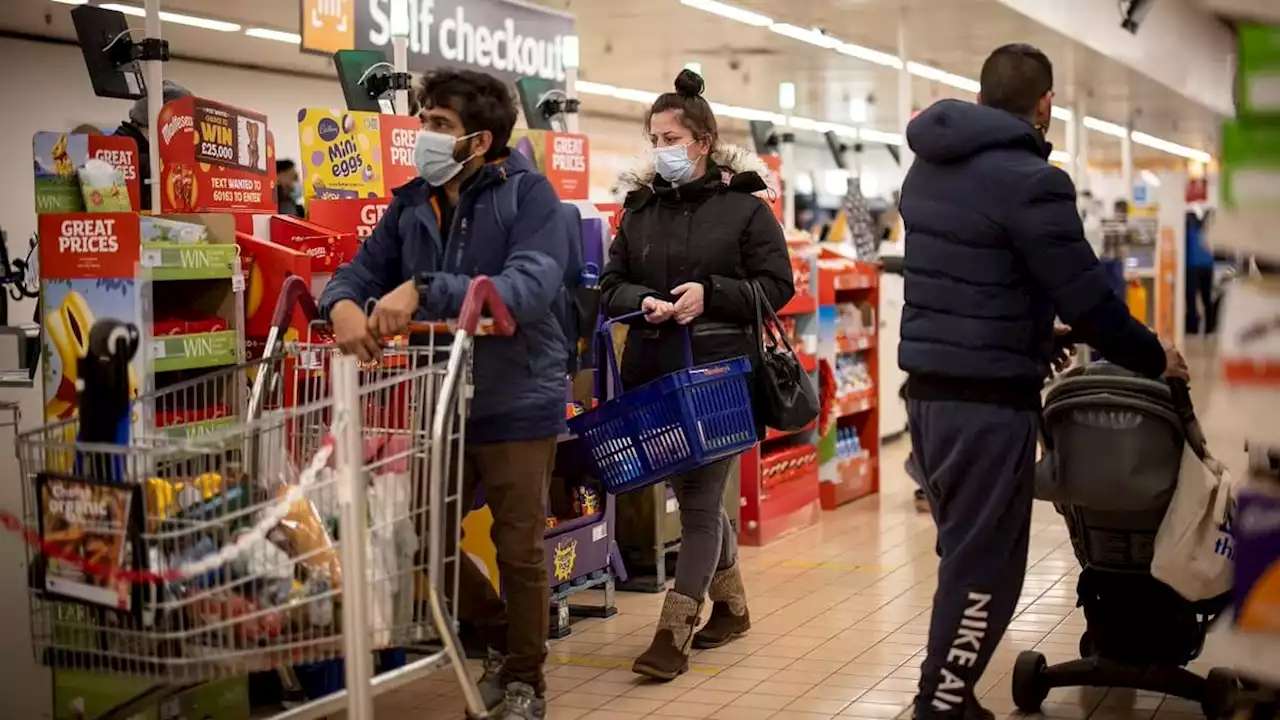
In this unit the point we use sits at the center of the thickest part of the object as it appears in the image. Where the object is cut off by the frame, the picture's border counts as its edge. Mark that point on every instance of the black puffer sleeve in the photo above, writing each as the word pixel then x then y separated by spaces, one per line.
pixel 765 260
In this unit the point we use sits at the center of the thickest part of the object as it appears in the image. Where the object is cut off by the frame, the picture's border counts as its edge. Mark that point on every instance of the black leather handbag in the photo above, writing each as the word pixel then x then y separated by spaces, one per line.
pixel 785 396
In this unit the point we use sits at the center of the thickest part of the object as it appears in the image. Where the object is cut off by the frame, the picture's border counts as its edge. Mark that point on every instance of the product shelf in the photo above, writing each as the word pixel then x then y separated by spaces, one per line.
pixel 849 336
pixel 173 261
pixel 856 403
pixel 779 480
pixel 854 343
pixel 196 351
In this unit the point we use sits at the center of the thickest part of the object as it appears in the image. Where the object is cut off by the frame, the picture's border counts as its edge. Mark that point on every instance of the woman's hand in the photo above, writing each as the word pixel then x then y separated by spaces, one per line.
pixel 656 310
pixel 689 306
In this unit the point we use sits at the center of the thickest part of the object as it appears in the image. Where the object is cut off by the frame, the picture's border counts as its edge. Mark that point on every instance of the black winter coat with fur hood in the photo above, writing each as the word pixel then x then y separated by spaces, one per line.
pixel 712 230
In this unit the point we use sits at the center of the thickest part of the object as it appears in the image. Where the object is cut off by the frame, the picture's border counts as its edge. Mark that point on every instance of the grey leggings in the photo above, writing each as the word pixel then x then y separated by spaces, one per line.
pixel 707 540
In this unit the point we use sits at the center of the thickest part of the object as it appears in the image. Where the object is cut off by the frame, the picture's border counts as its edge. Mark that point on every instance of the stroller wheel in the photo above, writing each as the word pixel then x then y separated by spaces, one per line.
pixel 1222 692
pixel 1030 686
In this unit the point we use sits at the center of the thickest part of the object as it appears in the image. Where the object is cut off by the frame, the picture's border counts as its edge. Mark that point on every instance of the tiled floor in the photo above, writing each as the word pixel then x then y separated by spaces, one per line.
pixel 840 617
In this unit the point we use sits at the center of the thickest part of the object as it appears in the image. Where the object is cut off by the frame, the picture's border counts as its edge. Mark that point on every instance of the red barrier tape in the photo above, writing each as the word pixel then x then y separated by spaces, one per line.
pixel 59 553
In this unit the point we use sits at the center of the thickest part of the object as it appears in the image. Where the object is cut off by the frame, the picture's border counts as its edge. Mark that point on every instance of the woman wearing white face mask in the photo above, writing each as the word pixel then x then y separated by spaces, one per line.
pixel 693 236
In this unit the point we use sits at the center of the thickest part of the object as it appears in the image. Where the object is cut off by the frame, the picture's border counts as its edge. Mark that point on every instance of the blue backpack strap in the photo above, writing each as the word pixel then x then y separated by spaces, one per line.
pixel 506 203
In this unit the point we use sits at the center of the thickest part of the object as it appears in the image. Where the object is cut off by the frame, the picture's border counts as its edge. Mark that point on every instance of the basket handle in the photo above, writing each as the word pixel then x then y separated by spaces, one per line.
pixel 605 342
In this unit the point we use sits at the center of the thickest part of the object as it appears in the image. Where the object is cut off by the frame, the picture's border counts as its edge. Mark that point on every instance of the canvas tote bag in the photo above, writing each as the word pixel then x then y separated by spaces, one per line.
pixel 1194 548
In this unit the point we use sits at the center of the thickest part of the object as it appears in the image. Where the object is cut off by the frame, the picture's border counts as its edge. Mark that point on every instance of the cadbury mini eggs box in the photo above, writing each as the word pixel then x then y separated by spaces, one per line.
pixel 341 154
pixel 1257 581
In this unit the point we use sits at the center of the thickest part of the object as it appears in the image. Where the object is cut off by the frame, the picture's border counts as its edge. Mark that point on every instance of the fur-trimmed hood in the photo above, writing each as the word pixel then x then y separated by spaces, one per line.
pixel 735 159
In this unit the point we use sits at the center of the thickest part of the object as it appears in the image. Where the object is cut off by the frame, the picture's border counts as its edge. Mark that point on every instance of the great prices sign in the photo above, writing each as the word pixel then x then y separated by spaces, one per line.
pixel 508 39
pixel 562 157
pixel 351 217
pixel 89 245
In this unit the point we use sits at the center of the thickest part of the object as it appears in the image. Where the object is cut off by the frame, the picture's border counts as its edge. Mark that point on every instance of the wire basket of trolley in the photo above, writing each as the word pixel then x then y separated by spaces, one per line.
pixel 186 559
pixel 681 421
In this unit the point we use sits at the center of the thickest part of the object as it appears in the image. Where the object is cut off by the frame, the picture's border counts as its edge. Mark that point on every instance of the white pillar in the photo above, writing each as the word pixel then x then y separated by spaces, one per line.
pixel 1126 161
pixel 905 92
pixel 155 100
pixel 788 148
pixel 1073 146
pixel 400 59
pixel 1080 160
pixel 572 121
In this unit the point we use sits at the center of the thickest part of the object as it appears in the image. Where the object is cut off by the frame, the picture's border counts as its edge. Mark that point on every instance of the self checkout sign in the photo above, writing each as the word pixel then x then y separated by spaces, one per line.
pixel 507 39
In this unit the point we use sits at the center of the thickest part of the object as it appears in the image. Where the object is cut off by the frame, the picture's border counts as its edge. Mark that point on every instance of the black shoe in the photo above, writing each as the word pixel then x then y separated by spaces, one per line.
pixel 922 502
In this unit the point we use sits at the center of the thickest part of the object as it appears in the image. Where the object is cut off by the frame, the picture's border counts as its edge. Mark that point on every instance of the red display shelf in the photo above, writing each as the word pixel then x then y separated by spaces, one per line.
pixel 855 478
pixel 800 305
pixel 837 274
pixel 856 403
pixel 854 343
pixel 807 361
pixel 772 434
pixel 768 514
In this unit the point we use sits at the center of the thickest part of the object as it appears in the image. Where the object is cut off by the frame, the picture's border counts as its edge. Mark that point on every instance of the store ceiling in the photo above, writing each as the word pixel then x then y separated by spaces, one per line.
pixel 643 46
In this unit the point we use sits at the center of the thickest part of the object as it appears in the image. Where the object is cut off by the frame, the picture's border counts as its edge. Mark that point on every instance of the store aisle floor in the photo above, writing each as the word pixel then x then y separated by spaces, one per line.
pixel 840 618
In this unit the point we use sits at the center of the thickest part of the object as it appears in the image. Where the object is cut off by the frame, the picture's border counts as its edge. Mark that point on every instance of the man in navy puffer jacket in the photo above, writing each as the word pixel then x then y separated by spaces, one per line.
pixel 995 250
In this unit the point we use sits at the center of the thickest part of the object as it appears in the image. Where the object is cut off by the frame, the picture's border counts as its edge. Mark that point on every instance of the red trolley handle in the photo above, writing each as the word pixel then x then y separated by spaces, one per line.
pixel 481 302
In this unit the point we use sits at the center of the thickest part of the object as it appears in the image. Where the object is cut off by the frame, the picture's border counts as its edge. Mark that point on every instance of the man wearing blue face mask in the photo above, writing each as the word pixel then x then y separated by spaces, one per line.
pixel 478 209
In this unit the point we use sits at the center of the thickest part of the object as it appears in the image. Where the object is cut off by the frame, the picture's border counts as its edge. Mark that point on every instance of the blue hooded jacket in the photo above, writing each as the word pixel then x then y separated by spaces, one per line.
pixel 519 380
pixel 994 250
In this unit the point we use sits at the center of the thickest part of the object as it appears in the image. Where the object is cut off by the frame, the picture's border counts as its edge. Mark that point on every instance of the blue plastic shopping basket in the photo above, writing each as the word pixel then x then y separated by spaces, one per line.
pixel 668 426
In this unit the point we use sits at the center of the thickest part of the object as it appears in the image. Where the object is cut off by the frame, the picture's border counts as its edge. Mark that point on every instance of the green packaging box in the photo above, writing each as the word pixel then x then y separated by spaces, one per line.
pixel 1250 164
pixel 1258 70
pixel 80 695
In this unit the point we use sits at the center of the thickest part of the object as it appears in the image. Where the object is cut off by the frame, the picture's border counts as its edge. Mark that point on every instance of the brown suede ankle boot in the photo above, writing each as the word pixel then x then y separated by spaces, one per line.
pixel 729 619
pixel 668 654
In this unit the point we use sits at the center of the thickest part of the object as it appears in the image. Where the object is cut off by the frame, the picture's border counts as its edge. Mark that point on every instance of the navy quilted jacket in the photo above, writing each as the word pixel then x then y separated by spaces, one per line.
pixel 994 250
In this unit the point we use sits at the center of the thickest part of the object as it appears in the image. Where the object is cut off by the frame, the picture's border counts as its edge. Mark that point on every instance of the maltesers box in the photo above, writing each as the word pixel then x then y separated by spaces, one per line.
pixel 562 157
pixel 349 154
pixel 215 158
pixel 1257 69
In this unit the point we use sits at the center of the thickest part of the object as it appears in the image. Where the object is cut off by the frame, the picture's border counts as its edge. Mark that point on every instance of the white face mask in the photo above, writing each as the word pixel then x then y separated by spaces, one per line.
pixel 433 156
pixel 673 163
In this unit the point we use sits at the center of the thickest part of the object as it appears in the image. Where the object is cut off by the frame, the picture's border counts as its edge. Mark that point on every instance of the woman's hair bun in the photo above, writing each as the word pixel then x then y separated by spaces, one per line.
pixel 690 83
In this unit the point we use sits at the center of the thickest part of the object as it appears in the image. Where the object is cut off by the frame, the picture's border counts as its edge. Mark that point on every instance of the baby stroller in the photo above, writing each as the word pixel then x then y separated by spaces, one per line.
pixel 1113 445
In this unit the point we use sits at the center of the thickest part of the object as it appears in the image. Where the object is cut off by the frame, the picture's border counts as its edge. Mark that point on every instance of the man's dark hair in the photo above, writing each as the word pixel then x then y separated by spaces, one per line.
pixel 285 165
pixel 1014 78
pixel 482 101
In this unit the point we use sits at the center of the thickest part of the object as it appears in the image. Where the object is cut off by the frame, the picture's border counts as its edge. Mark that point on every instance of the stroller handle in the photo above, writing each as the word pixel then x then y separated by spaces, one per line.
pixel 1182 404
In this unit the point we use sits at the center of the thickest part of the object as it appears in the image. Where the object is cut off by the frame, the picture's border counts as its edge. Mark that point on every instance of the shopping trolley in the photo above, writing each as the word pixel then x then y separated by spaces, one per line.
pixel 206 557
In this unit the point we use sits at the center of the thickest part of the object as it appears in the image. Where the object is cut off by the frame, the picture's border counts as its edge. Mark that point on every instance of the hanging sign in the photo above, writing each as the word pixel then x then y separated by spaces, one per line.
pixel 508 39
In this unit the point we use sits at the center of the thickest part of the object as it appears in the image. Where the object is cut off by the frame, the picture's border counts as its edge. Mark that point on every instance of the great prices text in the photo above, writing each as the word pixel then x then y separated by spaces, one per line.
pixel 96 235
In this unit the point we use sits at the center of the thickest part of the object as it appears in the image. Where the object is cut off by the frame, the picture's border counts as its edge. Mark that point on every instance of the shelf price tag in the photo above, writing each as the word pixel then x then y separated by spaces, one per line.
pixel 237 282
pixel 152 258
pixel 157 349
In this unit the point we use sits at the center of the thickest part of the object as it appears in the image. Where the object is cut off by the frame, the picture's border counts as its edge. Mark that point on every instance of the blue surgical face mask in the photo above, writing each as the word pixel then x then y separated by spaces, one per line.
pixel 295 194
pixel 673 163
pixel 433 156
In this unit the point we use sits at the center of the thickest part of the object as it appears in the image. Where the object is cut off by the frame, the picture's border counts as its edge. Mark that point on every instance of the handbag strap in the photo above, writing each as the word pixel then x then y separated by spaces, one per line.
pixel 767 318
